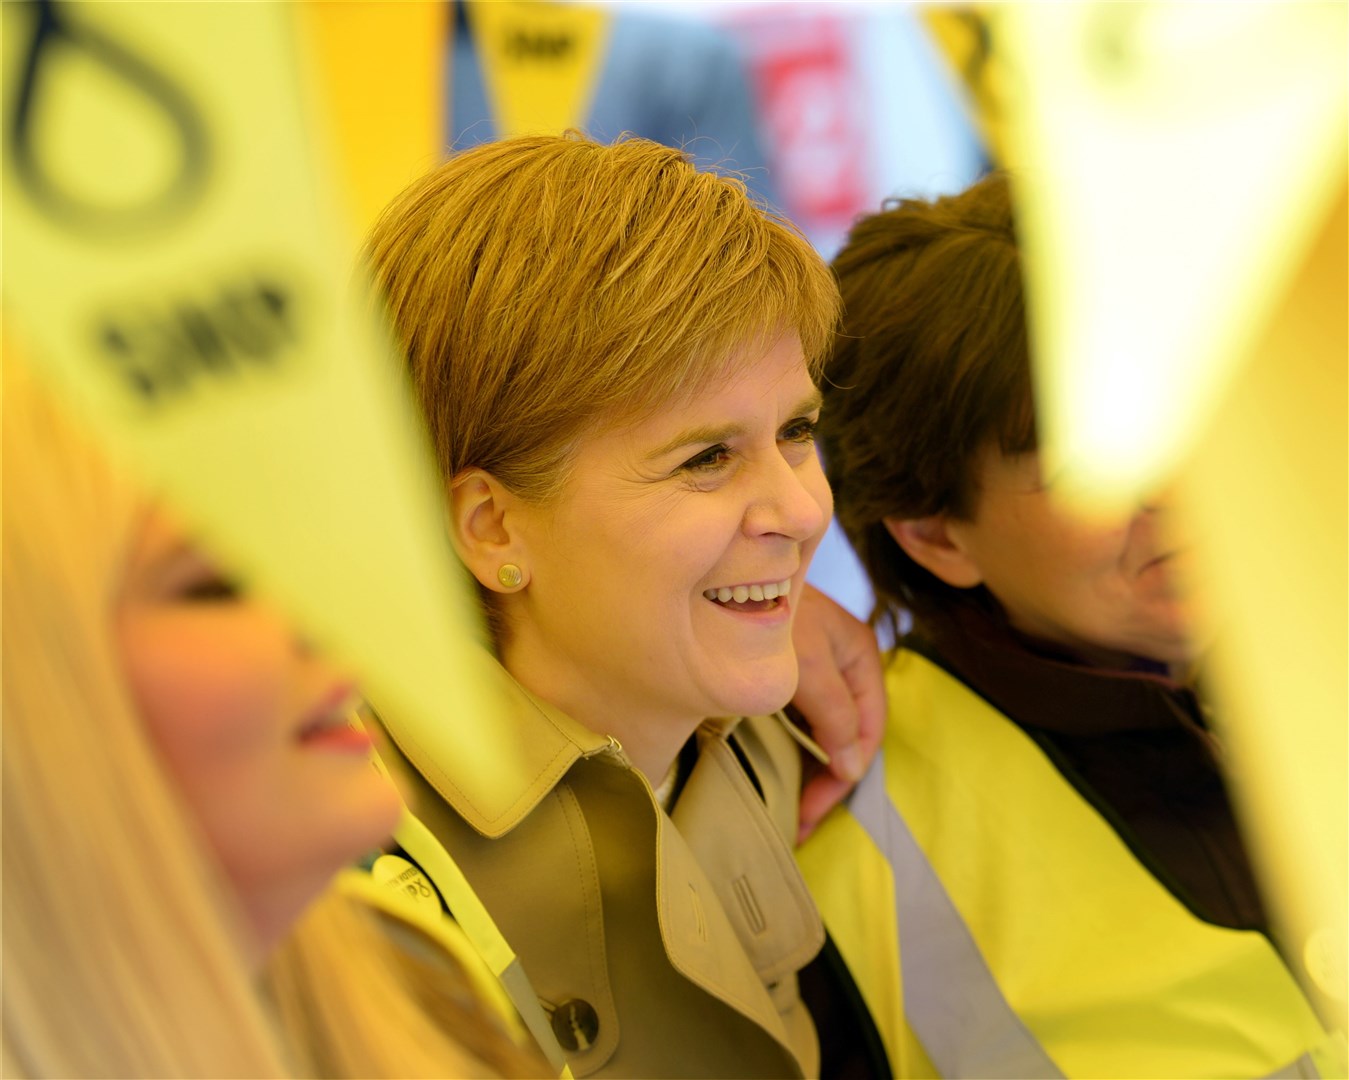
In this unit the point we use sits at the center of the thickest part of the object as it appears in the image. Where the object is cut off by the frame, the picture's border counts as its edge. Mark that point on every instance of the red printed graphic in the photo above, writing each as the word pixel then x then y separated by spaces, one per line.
pixel 813 108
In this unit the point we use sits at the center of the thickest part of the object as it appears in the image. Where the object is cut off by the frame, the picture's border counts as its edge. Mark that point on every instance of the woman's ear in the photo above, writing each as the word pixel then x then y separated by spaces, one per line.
pixel 929 542
pixel 483 522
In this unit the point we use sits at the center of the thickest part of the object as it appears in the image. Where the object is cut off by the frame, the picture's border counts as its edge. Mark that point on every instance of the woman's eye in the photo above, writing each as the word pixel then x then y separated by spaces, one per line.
pixel 800 430
pixel 711 459
pixel 213 589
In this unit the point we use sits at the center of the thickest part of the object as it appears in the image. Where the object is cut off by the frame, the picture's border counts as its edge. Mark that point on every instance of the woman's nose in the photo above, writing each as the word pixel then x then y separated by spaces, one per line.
pixel 793 501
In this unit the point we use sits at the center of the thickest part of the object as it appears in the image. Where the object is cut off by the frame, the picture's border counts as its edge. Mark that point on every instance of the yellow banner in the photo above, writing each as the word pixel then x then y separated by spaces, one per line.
pixel 380 71
pixel 964 38
pixel 1266 491
pixel 171 260
pixel 540 62
pixel 1174 162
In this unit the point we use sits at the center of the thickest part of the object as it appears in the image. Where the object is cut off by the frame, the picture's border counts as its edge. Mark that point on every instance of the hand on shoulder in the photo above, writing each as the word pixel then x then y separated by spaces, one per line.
pixel 841 697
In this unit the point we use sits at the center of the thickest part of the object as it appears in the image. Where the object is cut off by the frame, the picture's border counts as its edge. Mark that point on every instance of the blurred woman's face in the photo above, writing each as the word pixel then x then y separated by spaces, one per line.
pixel 663 580
pixel 1104 588
pixel 252 727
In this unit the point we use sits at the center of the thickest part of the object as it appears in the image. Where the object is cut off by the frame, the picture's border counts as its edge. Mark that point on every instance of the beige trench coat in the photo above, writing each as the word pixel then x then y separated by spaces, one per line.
pixel 661 946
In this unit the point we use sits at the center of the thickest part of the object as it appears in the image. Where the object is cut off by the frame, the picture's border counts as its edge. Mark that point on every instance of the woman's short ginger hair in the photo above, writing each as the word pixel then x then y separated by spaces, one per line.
pixel 540 286
pixel 931 367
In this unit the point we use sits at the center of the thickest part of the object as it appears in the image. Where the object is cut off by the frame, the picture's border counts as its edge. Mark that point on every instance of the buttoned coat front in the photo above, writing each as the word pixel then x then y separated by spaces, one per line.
pixel 661 945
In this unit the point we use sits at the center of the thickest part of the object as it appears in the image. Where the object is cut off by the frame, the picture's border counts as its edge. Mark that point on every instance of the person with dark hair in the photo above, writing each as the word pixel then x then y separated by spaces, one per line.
pixel 1071 893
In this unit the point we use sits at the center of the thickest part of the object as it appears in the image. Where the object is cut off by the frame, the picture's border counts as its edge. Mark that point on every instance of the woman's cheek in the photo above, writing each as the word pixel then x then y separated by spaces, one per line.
pixel 202 696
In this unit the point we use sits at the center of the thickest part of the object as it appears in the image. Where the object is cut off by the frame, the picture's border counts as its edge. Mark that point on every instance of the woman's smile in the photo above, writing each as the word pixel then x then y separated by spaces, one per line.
pixel 760 598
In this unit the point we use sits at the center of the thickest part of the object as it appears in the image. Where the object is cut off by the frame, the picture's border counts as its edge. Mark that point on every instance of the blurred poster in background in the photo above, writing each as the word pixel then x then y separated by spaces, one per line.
pixel 825 109
pixel 855 105
pixel 814 112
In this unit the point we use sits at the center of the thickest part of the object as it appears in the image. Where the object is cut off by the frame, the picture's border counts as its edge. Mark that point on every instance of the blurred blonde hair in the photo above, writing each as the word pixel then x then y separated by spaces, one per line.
pixel 122 952
pixel 543 285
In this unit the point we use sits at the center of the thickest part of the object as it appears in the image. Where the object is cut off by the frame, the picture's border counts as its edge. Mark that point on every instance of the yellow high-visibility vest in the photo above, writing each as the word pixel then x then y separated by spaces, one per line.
pixel 998 926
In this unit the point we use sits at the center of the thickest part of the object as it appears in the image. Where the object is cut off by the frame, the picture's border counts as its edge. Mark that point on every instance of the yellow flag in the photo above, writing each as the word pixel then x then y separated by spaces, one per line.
pixel 1174 161
pixel 381 82
pixel 1266 491
pixel 540 62
pixel 963 36
pixel 170 258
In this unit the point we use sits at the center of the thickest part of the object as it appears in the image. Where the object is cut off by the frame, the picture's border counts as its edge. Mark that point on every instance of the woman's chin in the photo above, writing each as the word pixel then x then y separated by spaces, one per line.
pixel 1172 637
pixel 764 695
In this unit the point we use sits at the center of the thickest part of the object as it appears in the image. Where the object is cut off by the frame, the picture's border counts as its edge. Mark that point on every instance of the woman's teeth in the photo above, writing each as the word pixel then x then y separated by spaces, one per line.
pixel 741 593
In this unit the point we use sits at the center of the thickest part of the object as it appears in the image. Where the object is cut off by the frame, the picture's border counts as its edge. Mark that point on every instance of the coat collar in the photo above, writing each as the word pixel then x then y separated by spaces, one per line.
pixel 495 768
pixel 495 765
pixel 1042 686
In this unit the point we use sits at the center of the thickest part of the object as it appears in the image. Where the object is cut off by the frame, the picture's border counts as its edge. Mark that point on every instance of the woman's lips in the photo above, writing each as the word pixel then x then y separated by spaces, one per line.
pixel 1157 562
pixel 341 737
pixel 329 723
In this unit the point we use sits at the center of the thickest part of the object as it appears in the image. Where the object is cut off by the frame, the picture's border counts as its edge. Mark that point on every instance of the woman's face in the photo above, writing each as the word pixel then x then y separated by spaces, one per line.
pixel 252 727
pixel 1103 588
pixel 623 615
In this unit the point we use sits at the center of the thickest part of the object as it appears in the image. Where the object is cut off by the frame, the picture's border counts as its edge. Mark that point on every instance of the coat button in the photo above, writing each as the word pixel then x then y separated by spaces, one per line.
pixel 575 1023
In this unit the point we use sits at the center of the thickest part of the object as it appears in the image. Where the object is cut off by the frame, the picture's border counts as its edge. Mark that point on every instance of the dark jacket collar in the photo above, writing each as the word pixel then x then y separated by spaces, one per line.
pixel 1044 685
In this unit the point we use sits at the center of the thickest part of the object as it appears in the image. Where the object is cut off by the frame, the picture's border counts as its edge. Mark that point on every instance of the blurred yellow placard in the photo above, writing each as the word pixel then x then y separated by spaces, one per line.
pixel 1174 163
pixel 1268 496
pixel 171 259
pixel 380 71
pixel 541 62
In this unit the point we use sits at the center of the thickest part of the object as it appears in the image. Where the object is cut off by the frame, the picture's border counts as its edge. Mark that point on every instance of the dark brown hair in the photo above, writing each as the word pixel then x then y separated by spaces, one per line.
pixel 931 367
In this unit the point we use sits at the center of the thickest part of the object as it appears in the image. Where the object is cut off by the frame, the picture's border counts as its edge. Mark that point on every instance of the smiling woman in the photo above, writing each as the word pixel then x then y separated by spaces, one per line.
pixel 617 356
pixel 1074 893
pixel 180 791
pixel 616 626
pixel 252 725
